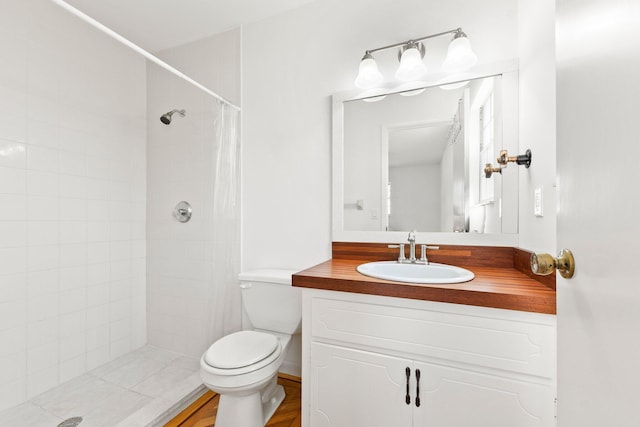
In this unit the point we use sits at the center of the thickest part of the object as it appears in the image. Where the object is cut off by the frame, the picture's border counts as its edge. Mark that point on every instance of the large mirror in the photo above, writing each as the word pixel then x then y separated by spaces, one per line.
pixel 414 160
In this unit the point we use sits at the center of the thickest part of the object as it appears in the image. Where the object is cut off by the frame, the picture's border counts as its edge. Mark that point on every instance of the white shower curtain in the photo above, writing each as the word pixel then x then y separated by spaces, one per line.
pixel 224 316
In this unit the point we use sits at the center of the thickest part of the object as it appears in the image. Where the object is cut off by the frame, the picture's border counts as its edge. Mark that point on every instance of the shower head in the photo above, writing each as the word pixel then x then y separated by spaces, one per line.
pixel 166 117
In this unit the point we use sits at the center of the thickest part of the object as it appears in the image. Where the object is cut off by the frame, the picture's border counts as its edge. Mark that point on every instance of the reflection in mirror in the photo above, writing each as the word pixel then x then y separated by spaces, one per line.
pixel 415 154
pixel 415 161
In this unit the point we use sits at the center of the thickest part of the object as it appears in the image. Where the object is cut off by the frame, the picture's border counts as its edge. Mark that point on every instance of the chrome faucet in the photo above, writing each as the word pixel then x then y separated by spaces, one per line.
pixel 412 246
pixel 412 251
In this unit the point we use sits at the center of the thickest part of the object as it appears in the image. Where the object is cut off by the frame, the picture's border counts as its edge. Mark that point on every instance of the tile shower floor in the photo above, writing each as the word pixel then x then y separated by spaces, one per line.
pixel 142 388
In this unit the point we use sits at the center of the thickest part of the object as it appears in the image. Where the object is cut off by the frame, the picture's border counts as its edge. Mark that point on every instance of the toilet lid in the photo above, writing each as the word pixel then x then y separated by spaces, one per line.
pixel 240 349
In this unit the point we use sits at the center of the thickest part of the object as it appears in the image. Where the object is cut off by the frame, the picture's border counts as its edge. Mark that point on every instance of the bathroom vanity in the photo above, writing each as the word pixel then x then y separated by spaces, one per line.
pixel 382 353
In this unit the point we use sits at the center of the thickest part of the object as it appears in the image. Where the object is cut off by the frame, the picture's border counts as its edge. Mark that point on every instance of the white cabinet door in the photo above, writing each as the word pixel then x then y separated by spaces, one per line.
pixel 455 397
pixel 353 388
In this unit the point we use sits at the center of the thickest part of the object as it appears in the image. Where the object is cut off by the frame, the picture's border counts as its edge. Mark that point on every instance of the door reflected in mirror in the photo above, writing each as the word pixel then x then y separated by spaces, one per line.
pixel 415 161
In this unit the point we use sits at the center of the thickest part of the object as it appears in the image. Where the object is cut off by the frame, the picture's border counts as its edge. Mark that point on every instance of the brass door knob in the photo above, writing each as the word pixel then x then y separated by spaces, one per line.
pixel 545 264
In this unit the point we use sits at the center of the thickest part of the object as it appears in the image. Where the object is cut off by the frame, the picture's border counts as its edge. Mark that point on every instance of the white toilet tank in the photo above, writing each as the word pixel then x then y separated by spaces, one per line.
pixel 269 301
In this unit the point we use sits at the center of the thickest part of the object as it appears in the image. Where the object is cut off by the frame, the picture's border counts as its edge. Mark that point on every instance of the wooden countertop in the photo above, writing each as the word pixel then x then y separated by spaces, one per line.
pixel 506 288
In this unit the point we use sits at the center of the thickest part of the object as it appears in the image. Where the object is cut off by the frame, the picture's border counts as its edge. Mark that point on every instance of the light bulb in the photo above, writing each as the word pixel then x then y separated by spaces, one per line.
pixel 459 80
pixel 373 95
pixel 368 74
pixel 411 88
pixel 411 65
pixel 453 86
pixel 374 98
pixel 460 57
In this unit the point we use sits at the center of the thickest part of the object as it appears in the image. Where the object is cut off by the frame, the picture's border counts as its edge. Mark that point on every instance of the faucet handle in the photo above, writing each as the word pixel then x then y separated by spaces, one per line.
pixel 401 257
pixel 423 252
pixel 412 236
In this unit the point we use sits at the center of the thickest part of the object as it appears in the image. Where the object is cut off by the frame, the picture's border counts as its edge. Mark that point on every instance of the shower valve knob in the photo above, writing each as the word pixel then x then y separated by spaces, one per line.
pixel 182 212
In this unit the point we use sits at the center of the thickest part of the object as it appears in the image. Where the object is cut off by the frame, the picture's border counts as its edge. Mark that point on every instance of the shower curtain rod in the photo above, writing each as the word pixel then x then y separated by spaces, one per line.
pixel 141 51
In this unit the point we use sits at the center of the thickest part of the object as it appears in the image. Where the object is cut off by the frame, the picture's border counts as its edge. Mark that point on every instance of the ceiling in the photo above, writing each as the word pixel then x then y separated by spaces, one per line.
pixel 160 24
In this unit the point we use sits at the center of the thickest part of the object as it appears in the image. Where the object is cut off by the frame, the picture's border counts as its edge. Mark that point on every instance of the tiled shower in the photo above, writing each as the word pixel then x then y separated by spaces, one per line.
pixel 81 213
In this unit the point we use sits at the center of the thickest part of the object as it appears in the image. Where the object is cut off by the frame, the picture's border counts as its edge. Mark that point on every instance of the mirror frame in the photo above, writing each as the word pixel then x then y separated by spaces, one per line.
pixel 509 72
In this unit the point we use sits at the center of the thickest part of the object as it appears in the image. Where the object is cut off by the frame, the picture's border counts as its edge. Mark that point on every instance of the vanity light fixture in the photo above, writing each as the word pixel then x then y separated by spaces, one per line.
pixel 411 65
pixel 368 74
pixel 459 58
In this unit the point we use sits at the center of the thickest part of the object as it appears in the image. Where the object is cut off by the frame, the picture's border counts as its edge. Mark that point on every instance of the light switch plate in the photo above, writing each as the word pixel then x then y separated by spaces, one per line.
pixel 537 202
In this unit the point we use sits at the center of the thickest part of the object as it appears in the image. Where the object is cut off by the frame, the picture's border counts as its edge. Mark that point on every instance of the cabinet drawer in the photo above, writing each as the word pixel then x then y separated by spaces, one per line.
pixel 501 339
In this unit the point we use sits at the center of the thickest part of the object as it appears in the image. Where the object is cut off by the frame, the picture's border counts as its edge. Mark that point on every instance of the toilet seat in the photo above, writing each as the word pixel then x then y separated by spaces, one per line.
pixel 242 352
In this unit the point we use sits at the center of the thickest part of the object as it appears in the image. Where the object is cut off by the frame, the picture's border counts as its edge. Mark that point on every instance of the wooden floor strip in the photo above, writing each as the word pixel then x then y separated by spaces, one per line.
pixel 202 412
pixel 179 419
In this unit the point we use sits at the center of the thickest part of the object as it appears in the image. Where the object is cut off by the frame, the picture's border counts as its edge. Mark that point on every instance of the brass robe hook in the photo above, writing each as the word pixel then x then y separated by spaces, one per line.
pixel 522 159
pixel 489 169
pixel 504 159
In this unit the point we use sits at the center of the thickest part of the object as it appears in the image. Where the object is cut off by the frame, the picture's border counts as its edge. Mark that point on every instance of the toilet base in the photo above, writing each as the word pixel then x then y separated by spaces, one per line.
pixel 250 410
pixel 236 411
pixel 272 397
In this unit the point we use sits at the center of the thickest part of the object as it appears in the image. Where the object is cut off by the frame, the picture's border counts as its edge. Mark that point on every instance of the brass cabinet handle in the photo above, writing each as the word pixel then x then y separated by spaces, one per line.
pixel 545 264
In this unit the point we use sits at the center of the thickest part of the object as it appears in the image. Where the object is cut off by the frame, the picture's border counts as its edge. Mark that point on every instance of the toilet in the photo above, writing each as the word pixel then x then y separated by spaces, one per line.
pixel 243 367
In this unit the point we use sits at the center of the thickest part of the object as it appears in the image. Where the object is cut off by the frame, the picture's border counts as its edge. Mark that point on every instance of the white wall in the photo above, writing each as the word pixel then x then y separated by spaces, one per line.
pixel 536 46
pixel 72 199
pixel 212 61
pixel 292 63
pixel 180 163
pixel 446 185
pixel 415 197
pixel 181 166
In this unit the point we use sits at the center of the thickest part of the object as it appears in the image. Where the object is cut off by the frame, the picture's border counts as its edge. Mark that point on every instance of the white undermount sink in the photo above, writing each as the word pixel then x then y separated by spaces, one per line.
pixel 415 273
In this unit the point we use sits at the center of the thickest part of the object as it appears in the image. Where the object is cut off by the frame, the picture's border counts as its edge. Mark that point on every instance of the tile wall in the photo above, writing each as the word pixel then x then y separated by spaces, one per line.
pixel 72 199
pixel 180 168
pixel 180 163
pixel 180 286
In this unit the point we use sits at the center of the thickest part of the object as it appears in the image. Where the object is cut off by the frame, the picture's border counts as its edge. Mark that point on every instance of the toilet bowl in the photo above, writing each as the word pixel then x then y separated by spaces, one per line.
pixel 243 367
pixel 249 394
